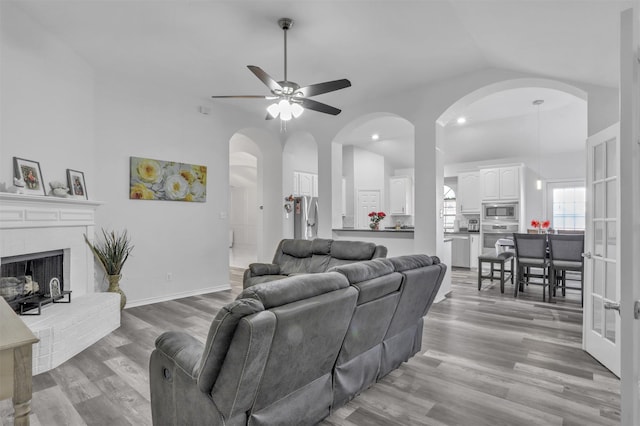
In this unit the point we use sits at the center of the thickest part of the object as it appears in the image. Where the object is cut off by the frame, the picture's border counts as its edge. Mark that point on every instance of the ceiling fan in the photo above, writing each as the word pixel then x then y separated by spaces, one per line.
pixel 291 99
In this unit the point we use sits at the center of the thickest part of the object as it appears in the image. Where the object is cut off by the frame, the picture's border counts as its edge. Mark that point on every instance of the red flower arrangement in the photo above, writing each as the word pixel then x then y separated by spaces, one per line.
pixel 540 225
pixel 376 217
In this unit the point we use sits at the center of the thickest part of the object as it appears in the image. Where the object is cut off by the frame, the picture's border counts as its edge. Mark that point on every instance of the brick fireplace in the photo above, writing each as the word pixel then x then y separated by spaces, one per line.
pixel 33 224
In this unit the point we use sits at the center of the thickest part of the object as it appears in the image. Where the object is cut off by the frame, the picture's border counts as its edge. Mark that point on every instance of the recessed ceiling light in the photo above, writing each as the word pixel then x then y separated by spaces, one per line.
pixel 375 137
pixel 461 120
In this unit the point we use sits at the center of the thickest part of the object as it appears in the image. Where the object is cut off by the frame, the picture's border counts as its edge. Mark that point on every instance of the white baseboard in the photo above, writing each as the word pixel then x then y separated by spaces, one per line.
pixel 174 296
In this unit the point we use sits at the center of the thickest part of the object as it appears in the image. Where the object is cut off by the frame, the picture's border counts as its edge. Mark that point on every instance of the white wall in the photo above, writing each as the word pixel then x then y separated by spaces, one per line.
pixel 47 102
pixel 187 240
pixel 348 173
pixel 301 150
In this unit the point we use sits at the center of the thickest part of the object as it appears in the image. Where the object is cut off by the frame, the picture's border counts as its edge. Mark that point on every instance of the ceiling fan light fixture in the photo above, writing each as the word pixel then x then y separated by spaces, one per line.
pixel 291 99
pixel 285 110
pixel 296 110
pixel 273 110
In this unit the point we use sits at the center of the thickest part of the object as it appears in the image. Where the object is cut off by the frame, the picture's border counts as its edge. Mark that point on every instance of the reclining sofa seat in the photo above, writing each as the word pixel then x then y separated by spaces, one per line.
pixel 386 327
pixel 422 277
pixel 293 350
pixel 266 361
pixel 310 257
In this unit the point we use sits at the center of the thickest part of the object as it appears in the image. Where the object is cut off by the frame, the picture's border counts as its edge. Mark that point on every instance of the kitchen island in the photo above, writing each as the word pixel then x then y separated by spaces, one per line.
pixel 398 242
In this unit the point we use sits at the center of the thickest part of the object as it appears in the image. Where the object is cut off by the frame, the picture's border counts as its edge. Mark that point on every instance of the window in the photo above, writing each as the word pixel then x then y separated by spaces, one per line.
pixel 449 208
pixel 567 205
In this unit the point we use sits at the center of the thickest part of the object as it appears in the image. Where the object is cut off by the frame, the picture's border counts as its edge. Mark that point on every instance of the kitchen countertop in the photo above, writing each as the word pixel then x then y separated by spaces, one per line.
pixel 393 230
pixel 462 233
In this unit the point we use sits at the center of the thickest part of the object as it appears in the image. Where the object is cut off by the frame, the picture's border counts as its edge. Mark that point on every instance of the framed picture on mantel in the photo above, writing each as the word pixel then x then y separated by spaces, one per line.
pixel 29 172
pixel 77 187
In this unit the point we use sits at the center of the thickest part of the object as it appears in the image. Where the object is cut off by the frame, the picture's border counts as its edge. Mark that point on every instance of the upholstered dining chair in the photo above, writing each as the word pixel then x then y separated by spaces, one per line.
pixel 531 252
pixel 565 252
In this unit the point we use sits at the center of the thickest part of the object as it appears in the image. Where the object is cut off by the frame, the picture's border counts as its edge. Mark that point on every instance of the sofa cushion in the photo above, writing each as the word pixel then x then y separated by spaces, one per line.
pixel 263 279
pixel 258 269
pixel 362 271
pixel 403 263
pixel 297 248
pixel 220 334
pixel 321 246
pixel 292 289
pixel 352 250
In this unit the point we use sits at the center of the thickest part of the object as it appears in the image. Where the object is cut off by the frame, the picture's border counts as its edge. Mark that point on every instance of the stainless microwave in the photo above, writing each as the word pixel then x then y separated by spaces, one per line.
pixel 500 211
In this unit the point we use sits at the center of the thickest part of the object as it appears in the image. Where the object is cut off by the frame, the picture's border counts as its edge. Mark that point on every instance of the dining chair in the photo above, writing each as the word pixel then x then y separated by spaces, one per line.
pixel 531 252
pixel 565 252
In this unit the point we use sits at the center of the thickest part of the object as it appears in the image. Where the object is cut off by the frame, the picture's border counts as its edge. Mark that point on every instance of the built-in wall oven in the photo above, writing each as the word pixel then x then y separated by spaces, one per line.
pixel 500 212
pixel 492 231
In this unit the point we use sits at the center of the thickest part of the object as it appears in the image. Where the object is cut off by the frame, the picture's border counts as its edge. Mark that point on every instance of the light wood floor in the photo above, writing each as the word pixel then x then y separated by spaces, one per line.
pixel 486 359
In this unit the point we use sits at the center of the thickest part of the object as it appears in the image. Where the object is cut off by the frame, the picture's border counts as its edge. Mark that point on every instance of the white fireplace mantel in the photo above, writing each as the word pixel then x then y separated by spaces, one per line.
pixel 32 224
pixel 32 211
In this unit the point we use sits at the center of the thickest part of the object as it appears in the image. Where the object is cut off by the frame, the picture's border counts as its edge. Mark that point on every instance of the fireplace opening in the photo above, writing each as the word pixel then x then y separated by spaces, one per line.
pixel 29 281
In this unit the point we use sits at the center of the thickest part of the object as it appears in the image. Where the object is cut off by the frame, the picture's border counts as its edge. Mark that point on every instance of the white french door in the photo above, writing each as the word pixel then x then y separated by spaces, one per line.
pixel 602 268
pixel 368 201
pixel 630 214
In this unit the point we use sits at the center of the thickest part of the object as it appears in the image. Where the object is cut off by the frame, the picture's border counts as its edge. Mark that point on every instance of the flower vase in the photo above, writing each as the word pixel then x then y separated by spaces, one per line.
pixel 114 287
pixel 374 226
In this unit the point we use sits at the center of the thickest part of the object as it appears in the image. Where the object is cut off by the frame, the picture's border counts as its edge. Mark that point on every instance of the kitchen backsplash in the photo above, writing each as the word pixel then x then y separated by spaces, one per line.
pixel 403 220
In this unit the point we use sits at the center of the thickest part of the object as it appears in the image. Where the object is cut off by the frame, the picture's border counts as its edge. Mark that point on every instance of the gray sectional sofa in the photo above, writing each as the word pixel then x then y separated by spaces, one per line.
pixel 309 257
pixel 288 352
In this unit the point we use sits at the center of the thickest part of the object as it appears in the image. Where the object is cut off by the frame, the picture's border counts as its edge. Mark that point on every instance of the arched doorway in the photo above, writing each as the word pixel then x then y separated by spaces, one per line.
pixel 265 147
pixel 374 150
pixel 299 178
pixel 243 201
pixel 500 124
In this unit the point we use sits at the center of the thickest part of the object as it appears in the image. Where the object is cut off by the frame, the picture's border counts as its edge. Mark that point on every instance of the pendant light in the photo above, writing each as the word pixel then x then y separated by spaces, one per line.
pixel 537 103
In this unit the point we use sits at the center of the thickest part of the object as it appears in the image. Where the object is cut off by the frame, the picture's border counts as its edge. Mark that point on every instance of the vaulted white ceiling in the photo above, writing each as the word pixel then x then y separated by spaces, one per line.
pixel 203 47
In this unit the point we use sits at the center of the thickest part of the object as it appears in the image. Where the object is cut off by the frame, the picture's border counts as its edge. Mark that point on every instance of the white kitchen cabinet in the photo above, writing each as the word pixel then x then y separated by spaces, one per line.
pixel 468 196
pixel 305 184
pixel 400 195
pixel 296 184
pixel 510 183
pixel 314 185
pixel 474 250
pixel 490 184
pixel 500 183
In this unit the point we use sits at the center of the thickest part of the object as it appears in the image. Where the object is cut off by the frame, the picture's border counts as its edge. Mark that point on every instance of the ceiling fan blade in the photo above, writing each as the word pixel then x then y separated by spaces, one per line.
pixel 268 117
pixel 319 106
pixel 265 78
pixel 245 97
pixel 327 86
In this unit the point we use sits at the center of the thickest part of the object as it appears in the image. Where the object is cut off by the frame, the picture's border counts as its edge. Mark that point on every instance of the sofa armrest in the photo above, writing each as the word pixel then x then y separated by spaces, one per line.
pixel 183 349
pixel 259 269
pixel 380 252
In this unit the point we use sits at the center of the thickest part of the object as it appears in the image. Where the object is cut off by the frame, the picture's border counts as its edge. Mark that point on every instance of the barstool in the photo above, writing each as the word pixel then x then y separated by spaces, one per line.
pixel 498 259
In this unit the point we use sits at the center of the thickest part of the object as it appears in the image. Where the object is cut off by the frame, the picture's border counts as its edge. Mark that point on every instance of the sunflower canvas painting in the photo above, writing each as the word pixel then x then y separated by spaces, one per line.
pixel 167 180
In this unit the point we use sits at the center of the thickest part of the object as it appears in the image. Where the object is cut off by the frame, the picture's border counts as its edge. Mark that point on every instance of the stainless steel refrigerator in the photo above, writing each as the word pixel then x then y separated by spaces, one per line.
pixel 305 218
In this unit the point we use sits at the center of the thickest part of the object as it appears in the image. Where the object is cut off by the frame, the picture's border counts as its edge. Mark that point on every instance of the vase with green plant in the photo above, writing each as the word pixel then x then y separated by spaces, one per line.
pixel 112 252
